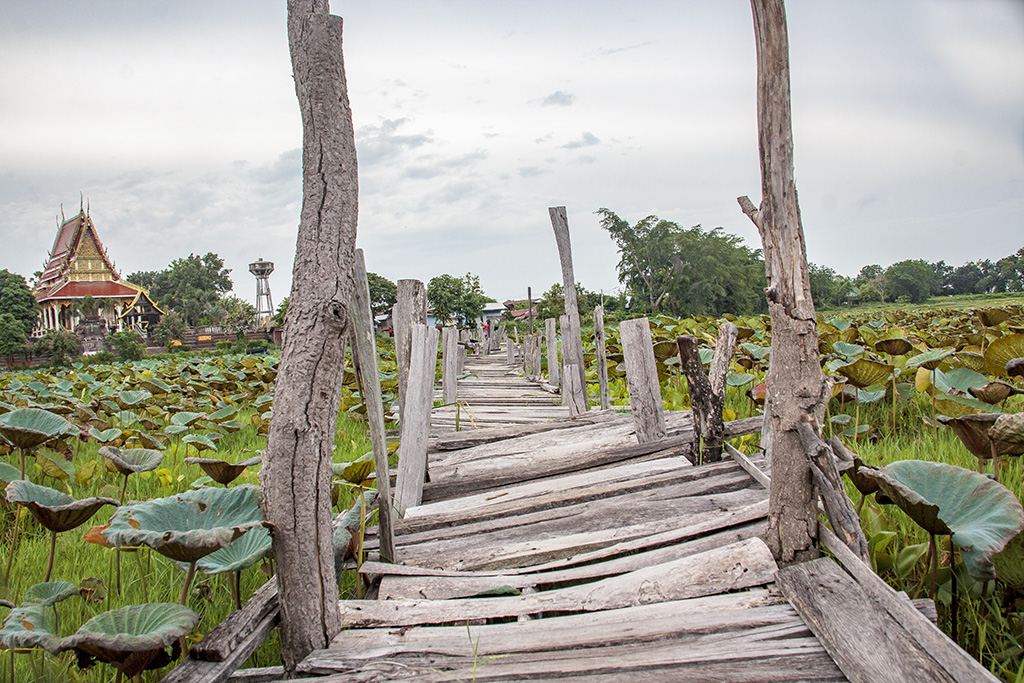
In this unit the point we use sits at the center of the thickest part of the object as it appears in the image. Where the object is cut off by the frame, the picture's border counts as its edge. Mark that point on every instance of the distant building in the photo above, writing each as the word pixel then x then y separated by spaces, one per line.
pixel 78 266
pixel 519 309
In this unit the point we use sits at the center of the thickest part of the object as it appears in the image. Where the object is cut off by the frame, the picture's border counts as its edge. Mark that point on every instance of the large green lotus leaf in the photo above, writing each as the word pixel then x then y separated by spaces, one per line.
pixel 355 472
pixel 866 396
pixel 222 471
pixel 847 350
pixel 1009 563
pixel 29 626
pixel 894 346
pixel 959 379
pixel 1002 351
pixel 973 431
pixel 970 359
pixel 186 418
pixel 131 460
pixel 1007 434
pixel 739 379
pixel 990 317
pixel 863 372
pixel 133 398
pixel 928 359
pixel 51 508
pixel 225 413
pixel 980 514
pixel 248 549
pixel 957 406
pixel 132 637
pixel 346 526
pixel 994 392
pixel 200 442
pixel 105 436
pixel 30 427
pixel 9 473
pixel 190 525
pixel 155 386
pixel 49 593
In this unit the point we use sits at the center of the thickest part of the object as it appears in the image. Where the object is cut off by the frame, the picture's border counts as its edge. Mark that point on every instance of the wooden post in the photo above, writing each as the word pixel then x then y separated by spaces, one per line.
pixel 602 357
pixel 296 473
pixel 412 452
pixel 410 310
pixel 449 365
pixel 510 351
pixel 366 353
pixel 707 394
pixel 796 385
pixel 572 343
pixel 642 377
pixel 535 357
pixel 563 326
pixel 552 347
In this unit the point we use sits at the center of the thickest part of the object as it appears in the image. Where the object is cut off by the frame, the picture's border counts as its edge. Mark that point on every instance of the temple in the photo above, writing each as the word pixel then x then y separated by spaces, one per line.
pixel 78 267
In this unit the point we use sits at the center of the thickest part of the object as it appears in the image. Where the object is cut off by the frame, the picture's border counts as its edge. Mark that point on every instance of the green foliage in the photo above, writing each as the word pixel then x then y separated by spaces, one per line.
pixel 279 315
pixel 60 346
pixel 552 304
pixel 171 326
pixel 189 285
pixel 460 299
pixel 13 337
pixel 16 299
pixel 383 294
pixel 669 269
pixel 128 344
pixel 828 288
pixel 239 314
pixel 916 280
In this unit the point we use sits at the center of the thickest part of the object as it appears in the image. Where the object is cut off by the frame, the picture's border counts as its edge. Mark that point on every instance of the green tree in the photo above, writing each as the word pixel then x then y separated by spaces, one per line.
pixel 171 326
pixel 189 285
pixel 453 298
pixel 383 294
pixel 912 279
pixel 240 315
pixel 828 288
pixel 552 303
pixel 280 313
pixel 127 344
pixel 16 298
pixel 13 337
pixel 59 345
pixel 645 249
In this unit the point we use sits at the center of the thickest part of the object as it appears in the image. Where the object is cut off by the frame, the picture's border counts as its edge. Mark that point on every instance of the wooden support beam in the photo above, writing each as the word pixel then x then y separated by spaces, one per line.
pixel 551 336
pixel 412 453
pixel 411 309
pixel 707 391
pixel 642 378
pixel 572 342
pixel 366 353
pixel 449 365
pixel 602 357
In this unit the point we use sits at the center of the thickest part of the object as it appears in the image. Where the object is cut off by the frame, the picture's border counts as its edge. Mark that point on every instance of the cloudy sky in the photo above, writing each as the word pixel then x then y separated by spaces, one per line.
pixel 177 121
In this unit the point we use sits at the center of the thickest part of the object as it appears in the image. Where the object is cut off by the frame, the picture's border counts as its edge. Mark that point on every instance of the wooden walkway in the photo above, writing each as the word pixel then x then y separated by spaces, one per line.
pixel 557 548
pixel 573 552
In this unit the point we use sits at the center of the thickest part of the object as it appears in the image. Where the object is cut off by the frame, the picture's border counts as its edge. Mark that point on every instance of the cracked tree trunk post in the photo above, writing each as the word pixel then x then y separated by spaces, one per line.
pixel 796 385
pixel 296 474
pixel 572 342
pixel 707 392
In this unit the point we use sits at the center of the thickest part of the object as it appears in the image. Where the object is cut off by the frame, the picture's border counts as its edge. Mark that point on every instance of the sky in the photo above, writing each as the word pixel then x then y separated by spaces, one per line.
pixel 177 123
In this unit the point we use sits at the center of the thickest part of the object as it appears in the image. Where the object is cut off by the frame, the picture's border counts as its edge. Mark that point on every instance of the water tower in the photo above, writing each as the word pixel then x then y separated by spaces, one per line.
pixel 264 306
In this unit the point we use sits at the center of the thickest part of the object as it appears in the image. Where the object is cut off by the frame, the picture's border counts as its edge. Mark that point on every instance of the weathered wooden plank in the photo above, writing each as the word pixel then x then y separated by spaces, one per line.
pixel 449 364
pixel 642 377
pixel 958 663
pixel 740 565
pixel 602 357
pixel 551 336
pixel 753 470
pixel 850 625
pixel 412 453
pixel 410 309
pixel 265 674
pixel 461 440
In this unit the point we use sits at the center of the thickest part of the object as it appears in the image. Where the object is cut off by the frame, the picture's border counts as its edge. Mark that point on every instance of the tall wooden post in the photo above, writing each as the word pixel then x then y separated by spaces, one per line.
pixel 366 353
pixel 410 310
pixel 642 377
pixel 796 385
pixel 412 452
pixel 551 334
pixel 449 365
pixel 572 343
pixel 529 307
pixel 602 357
pixel 296 473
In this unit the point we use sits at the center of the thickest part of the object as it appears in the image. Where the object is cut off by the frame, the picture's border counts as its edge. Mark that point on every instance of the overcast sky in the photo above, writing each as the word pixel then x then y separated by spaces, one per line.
pixel 178 123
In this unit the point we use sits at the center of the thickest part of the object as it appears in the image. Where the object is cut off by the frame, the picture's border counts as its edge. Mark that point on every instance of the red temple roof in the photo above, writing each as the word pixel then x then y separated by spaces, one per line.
pixel 99 289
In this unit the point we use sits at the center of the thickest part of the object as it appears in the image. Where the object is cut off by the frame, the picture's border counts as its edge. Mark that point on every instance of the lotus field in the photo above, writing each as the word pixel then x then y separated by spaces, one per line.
pixel 131 521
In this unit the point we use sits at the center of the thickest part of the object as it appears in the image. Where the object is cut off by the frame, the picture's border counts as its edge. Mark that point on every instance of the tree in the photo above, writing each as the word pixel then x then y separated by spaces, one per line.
pixel 12 337
pixel 281 313
pixel 171 326
pixel 552 303
pixel 645 255
pixel 127 344
pixel 914 280
pixel 383 294
pixel 17 299
pixel 239 314
pixel 828 287
pixel 964 279
pixel 59 345
pixel 189 285
pixel 459 299
pixel 296 474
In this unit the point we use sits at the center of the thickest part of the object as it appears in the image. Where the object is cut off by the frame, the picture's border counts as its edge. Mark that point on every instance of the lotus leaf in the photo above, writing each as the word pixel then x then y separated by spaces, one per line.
pixel 959 379
pixel 9 473
pixel 929 359
pixel 49 593
pixel 958 406
pixel 980 514
pixel 1002 351
pixel 990 317
pixel 30 427
pixel 973 431
pixel 970 359
pixel 29 626
pixel 190 525
pixel 1009 563
pixel 346 528
pixel 1007 434
pixel 895 346
pixel 994 392
pixel 133 398
pixel 105 436
pixel 355 472
pixel 847 350
pixel 55 466
pixel 739 380
pixel 1015 367
pixel 54 510
pixel 863 372
pixel 223 414
pixel 200 442
pixel 155 386
pixel 132 460
pixel 186 418
pixel 221 471
pixel 131 638
pixel 250 548
pixel 875 396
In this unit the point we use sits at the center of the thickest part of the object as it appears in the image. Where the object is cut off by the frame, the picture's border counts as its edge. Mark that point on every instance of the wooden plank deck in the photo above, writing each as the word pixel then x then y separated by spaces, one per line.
pixel 572 553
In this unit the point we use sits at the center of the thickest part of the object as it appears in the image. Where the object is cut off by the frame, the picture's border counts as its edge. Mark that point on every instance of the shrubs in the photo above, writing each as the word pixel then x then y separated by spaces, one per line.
pixel 127 344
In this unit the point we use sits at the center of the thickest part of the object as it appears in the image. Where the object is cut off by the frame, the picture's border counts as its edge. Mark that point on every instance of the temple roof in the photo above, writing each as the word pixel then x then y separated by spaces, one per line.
pixel 76 239
pixel 99 289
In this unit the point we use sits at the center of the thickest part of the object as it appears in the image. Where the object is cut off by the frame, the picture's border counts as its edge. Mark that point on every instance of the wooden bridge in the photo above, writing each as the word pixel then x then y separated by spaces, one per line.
pixel 549 547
